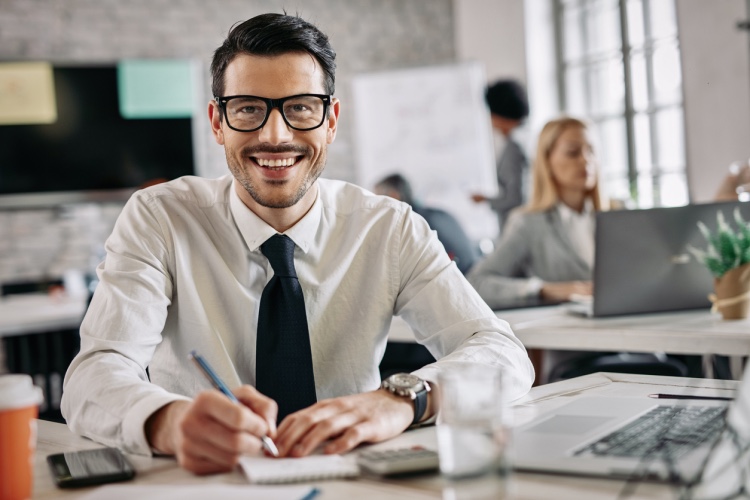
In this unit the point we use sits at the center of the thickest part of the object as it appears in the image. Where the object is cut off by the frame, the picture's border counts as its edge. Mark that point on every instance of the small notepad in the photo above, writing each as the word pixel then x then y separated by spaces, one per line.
pixel 266 470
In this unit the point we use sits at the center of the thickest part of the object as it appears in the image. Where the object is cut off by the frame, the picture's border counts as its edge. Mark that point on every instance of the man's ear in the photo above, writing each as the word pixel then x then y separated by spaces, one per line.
pixel 333 119
pixel 214 116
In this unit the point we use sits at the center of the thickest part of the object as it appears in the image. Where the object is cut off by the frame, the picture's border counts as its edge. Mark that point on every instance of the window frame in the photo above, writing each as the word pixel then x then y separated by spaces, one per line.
pixel 586 61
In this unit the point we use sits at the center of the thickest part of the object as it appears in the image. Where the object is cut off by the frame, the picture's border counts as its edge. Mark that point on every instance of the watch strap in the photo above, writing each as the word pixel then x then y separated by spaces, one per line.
pixel 420 403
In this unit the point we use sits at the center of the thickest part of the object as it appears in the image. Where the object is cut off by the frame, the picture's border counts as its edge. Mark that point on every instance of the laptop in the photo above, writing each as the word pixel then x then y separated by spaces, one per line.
pixel 632 437
pixel 642 263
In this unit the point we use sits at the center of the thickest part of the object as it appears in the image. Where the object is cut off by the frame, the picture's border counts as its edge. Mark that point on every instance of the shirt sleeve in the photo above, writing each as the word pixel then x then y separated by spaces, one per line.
pixel 500 278
pixel 450 318
pixel 106 393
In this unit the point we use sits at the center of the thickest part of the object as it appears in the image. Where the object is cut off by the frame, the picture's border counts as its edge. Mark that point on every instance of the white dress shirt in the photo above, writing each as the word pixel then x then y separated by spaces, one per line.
pixel 184 271
pixel 580 227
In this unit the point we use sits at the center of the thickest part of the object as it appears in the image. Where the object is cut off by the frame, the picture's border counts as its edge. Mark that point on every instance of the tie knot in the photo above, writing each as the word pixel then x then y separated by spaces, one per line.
pixel 279 250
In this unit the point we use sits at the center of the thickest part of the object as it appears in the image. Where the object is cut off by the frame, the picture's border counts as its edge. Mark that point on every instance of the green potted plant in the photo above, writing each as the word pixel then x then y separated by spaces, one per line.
pixel 728 259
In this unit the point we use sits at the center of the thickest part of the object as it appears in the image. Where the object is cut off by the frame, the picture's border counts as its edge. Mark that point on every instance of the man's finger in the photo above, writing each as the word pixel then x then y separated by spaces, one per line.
pixel 324 430
pixel 236 417
pixel 214 434
pixel 354 436
pixel 260 404
pixel 295 426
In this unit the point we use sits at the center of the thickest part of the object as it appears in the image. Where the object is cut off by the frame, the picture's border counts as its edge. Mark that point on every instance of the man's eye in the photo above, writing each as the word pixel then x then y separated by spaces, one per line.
pixel 249 110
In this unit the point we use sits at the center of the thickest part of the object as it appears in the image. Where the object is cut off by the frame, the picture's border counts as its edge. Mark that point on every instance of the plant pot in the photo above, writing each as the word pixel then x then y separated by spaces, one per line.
pixel 732 293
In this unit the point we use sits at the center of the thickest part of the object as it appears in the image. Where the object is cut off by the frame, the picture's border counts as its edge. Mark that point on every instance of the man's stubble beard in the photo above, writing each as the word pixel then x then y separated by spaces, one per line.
pixel 266 201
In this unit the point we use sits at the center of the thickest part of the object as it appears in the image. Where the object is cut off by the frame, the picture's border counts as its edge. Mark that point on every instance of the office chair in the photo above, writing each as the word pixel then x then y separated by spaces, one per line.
pixel 622 362
pixel 404 357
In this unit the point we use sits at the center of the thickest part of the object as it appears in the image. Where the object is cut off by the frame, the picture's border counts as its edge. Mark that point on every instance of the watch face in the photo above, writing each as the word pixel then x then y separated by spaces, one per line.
pixel 404 380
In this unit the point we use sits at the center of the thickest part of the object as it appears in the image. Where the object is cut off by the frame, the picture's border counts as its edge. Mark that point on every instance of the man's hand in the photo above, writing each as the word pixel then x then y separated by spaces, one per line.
pixel 562 291
pixel 208 434
pixel 347 421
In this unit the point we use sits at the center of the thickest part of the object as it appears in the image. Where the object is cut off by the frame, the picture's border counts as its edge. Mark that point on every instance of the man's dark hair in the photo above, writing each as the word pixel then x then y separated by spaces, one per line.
pixel 398 183
pixel 507 98
pixel 273 35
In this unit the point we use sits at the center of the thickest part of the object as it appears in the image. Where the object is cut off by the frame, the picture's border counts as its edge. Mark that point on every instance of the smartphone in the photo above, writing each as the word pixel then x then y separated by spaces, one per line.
pixel 89 467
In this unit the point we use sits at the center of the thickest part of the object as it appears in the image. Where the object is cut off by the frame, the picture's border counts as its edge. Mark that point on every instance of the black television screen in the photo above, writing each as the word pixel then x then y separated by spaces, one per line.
pixel 91 147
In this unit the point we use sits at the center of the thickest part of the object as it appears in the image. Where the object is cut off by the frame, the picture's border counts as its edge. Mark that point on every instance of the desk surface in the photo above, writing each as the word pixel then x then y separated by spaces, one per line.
pixel 681 332
pixel 55 438
pixel 35 313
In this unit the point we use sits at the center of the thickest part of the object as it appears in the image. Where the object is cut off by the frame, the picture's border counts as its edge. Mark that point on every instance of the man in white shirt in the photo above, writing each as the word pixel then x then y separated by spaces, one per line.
pixel 185 270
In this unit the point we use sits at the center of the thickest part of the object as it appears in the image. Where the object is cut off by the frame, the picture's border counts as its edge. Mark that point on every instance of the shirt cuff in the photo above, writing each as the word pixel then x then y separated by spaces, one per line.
pixel 534 286
pixel 134 423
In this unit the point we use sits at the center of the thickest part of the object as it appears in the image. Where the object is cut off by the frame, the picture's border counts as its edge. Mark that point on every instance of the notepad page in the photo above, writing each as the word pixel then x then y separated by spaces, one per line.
pixel 266 470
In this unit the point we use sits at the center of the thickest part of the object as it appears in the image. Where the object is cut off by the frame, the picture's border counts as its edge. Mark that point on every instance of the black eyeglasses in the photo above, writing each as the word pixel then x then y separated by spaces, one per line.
pixel 248 113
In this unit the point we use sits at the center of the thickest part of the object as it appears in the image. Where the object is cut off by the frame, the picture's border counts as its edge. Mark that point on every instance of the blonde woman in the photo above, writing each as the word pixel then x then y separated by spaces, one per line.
pixel 547 248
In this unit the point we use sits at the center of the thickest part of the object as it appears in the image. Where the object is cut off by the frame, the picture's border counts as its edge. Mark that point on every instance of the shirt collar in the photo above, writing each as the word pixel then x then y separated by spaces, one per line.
pixel 567 213
pixel 255 231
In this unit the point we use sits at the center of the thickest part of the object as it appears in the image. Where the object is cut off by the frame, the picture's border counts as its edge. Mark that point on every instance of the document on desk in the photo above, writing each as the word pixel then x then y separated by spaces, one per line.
pixel 267 470
pixel 201 492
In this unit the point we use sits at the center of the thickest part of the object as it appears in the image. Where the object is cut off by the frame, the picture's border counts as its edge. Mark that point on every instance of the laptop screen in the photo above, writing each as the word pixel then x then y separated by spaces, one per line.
pixel 642 263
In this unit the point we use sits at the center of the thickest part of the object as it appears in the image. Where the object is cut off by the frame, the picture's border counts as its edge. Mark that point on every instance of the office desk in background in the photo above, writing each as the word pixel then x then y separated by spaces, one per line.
pixel 56 438
pixel 39 337
pixel 680 332
pixel 37 313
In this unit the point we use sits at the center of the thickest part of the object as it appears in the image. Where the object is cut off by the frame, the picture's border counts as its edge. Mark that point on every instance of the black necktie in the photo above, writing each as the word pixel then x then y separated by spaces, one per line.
pixel 284 368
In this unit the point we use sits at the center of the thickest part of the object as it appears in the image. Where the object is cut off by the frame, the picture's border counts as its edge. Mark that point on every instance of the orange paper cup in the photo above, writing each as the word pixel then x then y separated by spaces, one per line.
pixel 19 403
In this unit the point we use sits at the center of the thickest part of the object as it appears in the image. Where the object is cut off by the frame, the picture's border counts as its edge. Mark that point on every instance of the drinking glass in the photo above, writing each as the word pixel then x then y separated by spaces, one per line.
pixel 471 431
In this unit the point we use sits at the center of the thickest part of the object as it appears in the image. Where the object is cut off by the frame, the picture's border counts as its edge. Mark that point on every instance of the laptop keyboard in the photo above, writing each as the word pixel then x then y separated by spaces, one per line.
pixel 664 432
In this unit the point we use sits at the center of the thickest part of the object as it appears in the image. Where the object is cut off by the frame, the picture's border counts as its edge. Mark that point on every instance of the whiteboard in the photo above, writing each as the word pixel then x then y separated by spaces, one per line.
pixel 431 125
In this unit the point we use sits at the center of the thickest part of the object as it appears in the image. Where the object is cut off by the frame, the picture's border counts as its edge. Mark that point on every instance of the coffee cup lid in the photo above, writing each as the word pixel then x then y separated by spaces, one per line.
pixel 18 391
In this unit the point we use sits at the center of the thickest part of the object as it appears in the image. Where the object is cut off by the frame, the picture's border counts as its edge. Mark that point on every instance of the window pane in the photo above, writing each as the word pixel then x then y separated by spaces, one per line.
pixel 642 129
pixel 673 190
pixel 635 23
pixel 608 87
pixel 670 143
pixel 573 44
pixel 638 81
pixel 575 91
pixel 617 188
pixel 662 18
pixel 667 74
pixel 603 26
pixel 645 191
pixel 612 148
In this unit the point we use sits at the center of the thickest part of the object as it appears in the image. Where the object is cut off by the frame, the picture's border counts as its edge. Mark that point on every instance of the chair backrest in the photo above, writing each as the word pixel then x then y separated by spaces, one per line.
pixel 639 363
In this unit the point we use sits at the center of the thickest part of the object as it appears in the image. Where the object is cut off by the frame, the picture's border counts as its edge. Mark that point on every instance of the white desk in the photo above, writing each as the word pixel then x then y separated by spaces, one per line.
pixel 54 438
pixel 34 313
pixel 683 332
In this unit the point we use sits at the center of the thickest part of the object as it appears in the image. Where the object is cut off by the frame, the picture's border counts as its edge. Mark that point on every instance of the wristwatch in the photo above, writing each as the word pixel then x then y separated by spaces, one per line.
pixel 409 386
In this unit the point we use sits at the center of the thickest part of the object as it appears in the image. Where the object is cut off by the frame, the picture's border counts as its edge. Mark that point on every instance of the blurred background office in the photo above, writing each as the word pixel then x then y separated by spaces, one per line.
pixel 665 83
pixel 460 248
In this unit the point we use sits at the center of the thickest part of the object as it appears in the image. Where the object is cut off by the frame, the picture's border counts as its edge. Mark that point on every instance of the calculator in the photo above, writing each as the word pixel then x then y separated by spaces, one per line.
pixel 398 460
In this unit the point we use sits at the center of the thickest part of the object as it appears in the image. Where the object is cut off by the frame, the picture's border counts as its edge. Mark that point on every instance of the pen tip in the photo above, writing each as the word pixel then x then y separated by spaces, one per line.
pixel 655 396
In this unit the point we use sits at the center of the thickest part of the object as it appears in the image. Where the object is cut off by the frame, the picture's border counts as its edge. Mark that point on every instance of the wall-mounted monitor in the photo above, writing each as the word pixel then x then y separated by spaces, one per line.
pixel 89 145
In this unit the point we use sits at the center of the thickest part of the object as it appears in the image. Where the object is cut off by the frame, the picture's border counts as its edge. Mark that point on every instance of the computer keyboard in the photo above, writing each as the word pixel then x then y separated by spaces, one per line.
pixel 663 432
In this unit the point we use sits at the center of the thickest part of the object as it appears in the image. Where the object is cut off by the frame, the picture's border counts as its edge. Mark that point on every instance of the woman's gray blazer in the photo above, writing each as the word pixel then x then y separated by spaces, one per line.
pixel 533 244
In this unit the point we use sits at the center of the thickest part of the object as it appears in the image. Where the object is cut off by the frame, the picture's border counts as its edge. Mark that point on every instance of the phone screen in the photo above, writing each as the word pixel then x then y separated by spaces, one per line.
pixel 88 467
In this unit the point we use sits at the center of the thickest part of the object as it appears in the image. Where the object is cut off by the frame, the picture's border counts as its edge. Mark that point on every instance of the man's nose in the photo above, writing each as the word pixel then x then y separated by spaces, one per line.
pixel 275 131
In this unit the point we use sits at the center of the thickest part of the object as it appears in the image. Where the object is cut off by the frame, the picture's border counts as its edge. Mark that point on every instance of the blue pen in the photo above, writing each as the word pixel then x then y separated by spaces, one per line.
pixel 219 384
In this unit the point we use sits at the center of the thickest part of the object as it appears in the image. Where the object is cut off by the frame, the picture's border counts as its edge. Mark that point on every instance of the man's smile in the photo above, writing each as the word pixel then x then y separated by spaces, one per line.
pixel 286 162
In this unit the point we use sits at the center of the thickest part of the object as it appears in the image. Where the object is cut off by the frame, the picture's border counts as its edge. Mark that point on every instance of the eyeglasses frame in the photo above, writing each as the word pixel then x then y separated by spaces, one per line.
pixel 222 101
